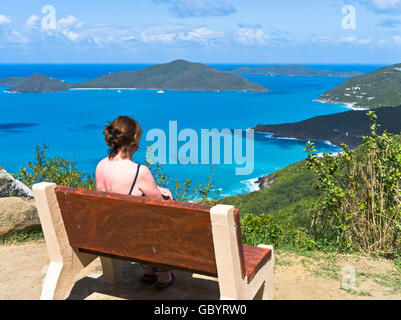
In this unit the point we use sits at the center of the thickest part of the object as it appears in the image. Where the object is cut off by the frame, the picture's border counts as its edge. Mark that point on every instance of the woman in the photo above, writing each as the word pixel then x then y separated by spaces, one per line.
pixel 118 173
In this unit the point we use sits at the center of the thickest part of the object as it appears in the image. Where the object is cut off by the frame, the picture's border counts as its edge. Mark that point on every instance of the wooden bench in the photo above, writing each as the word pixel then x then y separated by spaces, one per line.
pixel 81 225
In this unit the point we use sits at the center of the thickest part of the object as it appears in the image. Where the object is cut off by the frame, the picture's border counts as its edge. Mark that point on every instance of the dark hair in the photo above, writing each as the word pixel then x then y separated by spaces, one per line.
pixel 122 135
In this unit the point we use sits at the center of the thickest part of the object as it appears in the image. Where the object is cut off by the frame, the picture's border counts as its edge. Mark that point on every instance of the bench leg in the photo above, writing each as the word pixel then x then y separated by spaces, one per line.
pixel 58 282
pixel 267 293
pixel 60 276
pixel 112 270
pixel 268 286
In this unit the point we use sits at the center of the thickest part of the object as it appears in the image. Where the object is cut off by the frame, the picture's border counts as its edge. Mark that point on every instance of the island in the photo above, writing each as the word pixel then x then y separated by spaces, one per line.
pixel 39 83
pixel 176 75
pixel 346 127
pixel 380 88
pixel 10 81
pixel 293 71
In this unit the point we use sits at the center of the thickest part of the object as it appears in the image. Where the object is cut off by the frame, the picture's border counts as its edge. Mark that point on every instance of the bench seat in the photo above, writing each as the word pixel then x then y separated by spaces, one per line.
pixel 254 259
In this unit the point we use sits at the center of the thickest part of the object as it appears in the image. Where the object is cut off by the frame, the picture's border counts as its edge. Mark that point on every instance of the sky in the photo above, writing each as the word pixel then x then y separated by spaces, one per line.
pixel 209 31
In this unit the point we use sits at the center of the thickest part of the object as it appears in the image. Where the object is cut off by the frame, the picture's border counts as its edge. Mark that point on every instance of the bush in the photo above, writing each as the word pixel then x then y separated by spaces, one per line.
pixel 263 229
pixel 57 170
pixel 64 172
pixel 186 191
pixel 360 203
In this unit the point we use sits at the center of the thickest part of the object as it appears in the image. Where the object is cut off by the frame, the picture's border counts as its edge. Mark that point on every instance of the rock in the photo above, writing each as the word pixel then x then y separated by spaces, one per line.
pixel 10 187
pixel 17 214
pixel 265 182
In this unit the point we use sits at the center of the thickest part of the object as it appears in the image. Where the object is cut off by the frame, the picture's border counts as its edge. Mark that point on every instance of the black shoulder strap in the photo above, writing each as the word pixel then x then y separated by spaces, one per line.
pixel 136 177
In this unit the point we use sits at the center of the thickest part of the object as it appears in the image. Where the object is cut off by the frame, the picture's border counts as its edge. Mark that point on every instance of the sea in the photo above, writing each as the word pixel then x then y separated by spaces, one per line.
pixel 71 122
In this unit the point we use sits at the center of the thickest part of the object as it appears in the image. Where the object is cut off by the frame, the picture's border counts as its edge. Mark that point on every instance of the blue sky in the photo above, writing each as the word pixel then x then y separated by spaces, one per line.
pixel 210 31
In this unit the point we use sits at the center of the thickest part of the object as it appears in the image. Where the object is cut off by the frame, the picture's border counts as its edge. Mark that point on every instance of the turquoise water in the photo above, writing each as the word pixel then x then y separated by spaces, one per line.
pixel 71 122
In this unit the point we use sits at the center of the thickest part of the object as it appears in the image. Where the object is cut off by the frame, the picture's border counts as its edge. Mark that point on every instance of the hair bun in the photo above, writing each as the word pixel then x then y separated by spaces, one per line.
pixel 122 135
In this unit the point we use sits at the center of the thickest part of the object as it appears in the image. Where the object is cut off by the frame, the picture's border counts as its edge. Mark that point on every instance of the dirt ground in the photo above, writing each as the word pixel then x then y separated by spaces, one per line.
pixel 313 276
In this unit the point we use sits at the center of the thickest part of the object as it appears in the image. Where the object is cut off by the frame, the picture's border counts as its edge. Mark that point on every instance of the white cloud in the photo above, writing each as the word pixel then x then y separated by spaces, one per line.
pixel 386 5
pixel 201 35
pixel 68 28
pixel 397 39
pixel 16 38
pixel 198 8
pixel 381 6
pixel 355 40
pixel 69 22
pixel 251 36
pixel 4 19
pixel 31 23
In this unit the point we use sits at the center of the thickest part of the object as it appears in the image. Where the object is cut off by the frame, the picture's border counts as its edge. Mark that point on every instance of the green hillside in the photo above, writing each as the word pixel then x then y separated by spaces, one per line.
pixel 176 75
pixel 10 81
pixel 39 83
pixel 288 197
pixel 346 127
pixel 381 88
pixel 293 71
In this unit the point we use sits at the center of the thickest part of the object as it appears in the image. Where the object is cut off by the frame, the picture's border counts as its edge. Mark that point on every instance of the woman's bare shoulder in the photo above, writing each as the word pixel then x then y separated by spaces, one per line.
pixel 101 163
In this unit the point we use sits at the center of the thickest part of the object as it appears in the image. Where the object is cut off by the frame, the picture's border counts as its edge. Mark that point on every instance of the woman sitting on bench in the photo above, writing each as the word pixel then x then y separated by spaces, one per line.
pixel 119 174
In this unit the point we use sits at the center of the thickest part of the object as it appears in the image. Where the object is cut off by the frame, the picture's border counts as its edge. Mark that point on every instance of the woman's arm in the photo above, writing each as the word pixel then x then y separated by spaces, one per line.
pixel 166 193
pixel 147 184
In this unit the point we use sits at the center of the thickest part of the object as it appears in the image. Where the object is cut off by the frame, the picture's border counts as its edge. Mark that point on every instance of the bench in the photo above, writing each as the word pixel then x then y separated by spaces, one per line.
pixel 80 225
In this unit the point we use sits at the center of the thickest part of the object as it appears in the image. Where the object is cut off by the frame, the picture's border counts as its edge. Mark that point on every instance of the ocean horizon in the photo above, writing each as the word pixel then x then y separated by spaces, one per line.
pixel 71 122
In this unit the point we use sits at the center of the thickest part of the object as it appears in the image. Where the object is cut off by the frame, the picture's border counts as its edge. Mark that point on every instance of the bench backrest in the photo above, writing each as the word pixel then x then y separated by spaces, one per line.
pixel 165 233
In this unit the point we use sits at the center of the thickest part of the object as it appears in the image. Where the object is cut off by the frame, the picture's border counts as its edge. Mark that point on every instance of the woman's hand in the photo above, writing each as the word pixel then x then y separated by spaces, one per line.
pixel 165 192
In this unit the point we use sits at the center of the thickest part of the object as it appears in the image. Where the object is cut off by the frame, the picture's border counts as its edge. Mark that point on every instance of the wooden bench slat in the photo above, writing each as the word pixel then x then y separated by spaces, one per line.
pixel 255 258
pixel 162 232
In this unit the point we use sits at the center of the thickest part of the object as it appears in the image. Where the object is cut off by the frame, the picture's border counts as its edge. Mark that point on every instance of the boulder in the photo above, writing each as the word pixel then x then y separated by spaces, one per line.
pixel 17 214
pixel 10 187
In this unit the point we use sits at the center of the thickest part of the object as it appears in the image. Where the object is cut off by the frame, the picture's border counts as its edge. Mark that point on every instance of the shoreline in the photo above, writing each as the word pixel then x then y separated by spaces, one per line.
pixel 270 135
pixel 190 90
pixel 349 105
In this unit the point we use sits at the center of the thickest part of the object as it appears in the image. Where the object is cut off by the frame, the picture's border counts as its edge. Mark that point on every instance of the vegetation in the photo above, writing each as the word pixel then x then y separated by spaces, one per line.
pixel 288 198
pixel 54 169
pixel 176 75
pixel 39 83
pixel 349 202
pixel 293 71
pixel 380 88
pixel 185 190
pixel 267 230
pixel 22 237
pixel 345 127
pixel 10 81
pixel 359 205
pixel 345 203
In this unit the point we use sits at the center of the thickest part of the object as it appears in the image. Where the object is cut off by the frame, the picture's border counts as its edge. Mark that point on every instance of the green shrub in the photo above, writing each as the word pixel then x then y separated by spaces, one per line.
pixel 57 170
pixel 359 207
pixel 263 229
pixel 186 191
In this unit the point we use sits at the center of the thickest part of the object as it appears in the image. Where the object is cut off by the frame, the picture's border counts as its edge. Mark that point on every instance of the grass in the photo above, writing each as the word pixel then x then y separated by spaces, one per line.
pixel 391 279
pixel 22 237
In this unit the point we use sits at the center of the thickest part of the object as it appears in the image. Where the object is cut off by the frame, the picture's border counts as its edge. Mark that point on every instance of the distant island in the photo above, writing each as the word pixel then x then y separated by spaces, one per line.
pixel 10 81
pixel 293 71
pixel 39 83
pixel 176 75
pixel 380 88
pixel 346 127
